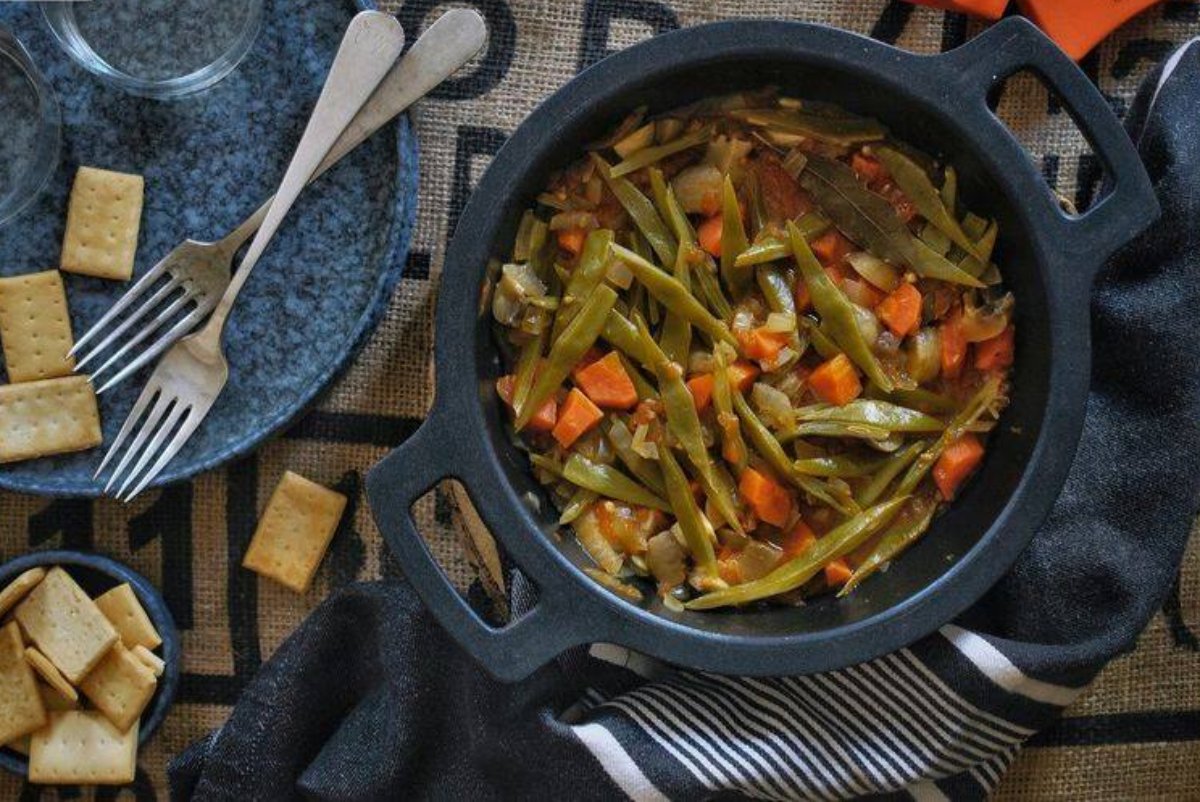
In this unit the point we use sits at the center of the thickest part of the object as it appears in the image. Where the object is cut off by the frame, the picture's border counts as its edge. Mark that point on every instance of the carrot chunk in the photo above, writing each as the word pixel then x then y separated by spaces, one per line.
pixel 701 388
pixel 607 384
pixel 868 168
pixel 742 375
pixel 571 239
pixel 577 417
pixel 543 420
pixel 798 540
pixel 762 344
pixel 996 353
pixel 709 234
pixel 837 573
pixel 831 247
pixel 836 381
pixel 901 311
pixel 770 501
pixel 957 462
pixel 954 345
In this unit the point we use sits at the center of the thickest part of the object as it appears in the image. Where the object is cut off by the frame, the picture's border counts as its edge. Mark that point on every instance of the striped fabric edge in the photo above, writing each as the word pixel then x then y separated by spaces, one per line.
pixel 1003 672
pixel 886 726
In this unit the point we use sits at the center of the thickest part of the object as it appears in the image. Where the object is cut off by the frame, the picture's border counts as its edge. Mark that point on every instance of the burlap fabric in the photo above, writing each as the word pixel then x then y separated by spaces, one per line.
pixel 1134 735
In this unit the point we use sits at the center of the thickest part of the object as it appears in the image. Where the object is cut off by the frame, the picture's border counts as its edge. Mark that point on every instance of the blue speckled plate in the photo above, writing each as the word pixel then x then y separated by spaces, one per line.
pixel 209 160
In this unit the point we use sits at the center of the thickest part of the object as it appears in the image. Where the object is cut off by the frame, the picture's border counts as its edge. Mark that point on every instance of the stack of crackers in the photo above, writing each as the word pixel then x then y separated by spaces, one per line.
pixel 45 409
pixel 61 650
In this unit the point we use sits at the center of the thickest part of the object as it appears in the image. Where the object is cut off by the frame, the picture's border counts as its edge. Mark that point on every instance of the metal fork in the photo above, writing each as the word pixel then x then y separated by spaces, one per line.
pixel 191 375
pixel 197 273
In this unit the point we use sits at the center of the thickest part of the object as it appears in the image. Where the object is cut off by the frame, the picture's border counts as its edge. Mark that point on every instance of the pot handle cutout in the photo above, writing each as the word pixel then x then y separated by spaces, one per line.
pixel 1128 204
pixel 509 653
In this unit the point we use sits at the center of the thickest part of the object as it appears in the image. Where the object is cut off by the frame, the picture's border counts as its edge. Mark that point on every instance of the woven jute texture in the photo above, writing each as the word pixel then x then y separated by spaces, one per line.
pixel 1134 735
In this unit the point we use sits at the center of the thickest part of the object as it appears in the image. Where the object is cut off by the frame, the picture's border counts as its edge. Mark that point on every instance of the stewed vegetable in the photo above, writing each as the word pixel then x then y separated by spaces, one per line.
pixel 755 344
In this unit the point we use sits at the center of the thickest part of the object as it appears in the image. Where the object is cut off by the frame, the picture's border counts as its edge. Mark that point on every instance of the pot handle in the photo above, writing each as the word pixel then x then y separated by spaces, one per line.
pixel 508 653
pixel 1015 44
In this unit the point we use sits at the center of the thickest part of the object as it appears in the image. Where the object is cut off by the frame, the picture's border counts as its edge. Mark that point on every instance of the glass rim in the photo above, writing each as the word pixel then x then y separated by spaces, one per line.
pixel 32 181
pixel 78 49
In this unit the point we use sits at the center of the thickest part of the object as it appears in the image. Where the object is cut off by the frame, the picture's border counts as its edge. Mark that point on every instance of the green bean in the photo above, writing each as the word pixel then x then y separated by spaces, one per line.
pixel 623 335
pixel 776 289
pixel 670 210
pixel 584 279
pixel 949 190
pixel 838 542
pixel 914 181
pixel 565 352
pixel 580 500
pixel 684 423
pixel 641 212
pixel 898 537
pixel 548 464
pixel 674 296
pixel 676 336
pixel 842 466
pixel 687 513
pixel 869 493
pixel 527 362
pixel 643 387
pixel 710 288
pixel 836 311
pixel 935 239
pixel 772 452
pixel 733 242
pixel 824 346
pixel 928 263
pixel 521 245
pixel 916 397
pixel 647 156
pixel 731 430
pixel 763 252
pixel 843 129
pixel 975 264
pixel 610 483
pixel 645 470
pixel 837 428
pixel 887 416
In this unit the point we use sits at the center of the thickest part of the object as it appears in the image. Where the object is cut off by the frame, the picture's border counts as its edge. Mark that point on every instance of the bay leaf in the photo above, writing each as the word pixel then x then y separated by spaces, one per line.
pixel 862 215
pixel 843 129
pixel 917 185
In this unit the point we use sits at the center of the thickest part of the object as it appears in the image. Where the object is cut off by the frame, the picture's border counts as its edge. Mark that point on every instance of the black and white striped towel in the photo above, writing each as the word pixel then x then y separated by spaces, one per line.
pixel 369 699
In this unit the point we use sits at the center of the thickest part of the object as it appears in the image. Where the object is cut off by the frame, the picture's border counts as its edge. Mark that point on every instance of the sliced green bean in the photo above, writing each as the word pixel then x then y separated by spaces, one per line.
pixel 687 513
pixel 578 504
pixel 670 210
pixel 824 346
pixel 610 483
pixel 733 242
pixel 623 335
pixel 648 156
pixel 841 466
pixel 837 428
pixel 843 129
pixel 731 430
pixel 584 279
pixel 976 264
pixel 641 212
pixel 645 470
pixel 565 352
pixel 710 288
pixel 643 387
pixel 928 263
pixel 885 415
pixel 769 448
pixel 898 537
pixel 674 296
pixel 916 397
pixel 949 190
pixel 917 185
pixel 836 311
pixel 838 542
pixel 892 467
pixel 676 336
pixel 527 362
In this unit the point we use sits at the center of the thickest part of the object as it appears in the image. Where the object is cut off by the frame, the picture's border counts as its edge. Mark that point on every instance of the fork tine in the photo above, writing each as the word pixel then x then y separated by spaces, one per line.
pixel 141 312
pixel 163 343
pixel 150 327
pixel 139 407
pixel 189 426
pixel 151 450
pixel 148 426
pixel 123 303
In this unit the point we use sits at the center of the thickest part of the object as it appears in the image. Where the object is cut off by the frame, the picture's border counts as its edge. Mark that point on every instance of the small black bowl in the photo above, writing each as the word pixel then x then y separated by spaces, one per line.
pixel 96 574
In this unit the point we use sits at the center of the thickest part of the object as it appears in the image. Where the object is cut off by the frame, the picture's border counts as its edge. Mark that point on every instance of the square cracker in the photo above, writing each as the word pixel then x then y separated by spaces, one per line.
pixel 53 702
pixel 103 219
pixel 51 675
pixel 15 591
pixel 294 531
pixel 151 660
pixel 21 708
pixel 52 416
pixel 35 327
pixel 121 606
pixel 120 687
pixel 82 747
pixel 66 625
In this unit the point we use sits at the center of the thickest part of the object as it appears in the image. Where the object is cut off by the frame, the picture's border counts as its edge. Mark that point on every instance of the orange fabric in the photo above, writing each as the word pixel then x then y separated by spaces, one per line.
pixel 543 420
pixel 997 352
pixel 1079 25
pixel 956 463
pixel 709 234
pixel 607 384
pixel 571 239
pixel 770 501
pixel 836 381
pixel 577 417
pixel 701 388
pixel 901 311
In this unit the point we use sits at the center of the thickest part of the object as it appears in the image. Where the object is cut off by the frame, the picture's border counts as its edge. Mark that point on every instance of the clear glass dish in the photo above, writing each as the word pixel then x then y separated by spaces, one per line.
pixel 159 49
pixel 32 129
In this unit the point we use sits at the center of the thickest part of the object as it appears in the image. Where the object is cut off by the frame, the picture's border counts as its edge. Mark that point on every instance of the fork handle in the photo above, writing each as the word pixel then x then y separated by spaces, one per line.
pixel 450 42
pixel 370 47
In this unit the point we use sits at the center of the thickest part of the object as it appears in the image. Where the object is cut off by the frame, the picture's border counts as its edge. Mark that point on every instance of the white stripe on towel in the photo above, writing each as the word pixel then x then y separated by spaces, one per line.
pixel 617 763
pixel 1000 670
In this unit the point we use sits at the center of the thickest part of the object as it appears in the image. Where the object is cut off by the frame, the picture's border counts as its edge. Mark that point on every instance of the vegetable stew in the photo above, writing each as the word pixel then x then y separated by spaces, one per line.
pixel 755 344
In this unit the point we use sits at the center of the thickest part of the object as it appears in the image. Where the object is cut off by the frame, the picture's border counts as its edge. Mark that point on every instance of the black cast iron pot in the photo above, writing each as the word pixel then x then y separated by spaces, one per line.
pixel 1049 260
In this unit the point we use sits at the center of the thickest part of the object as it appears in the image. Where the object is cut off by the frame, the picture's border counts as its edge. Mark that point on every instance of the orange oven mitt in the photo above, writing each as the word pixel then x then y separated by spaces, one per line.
pixel 1080 25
